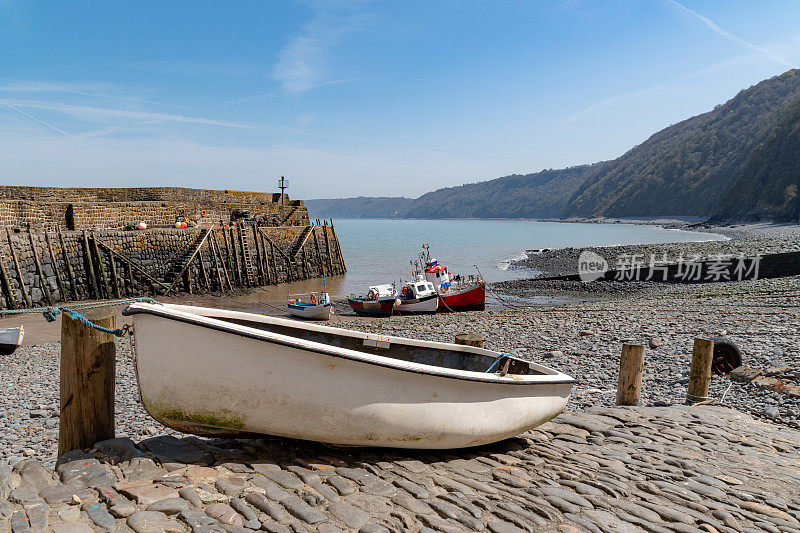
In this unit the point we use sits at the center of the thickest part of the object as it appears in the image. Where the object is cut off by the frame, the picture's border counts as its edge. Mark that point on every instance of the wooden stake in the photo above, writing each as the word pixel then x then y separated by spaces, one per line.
pixel 327 246
pixel 70 274
pixel 235 259
pixel 114 279
pixel 319 254
pixel 216 264
pixel 61 290
pixel 229 263
pixel 631 366
pixel 39 271
pixel 203 273
pixel 274 264
pixel 218 255
pixel 88 359
pixel 700 373
pixel 25 297
pixel 342 267
pixel 101 269
pixel 90 267
pixel 130 290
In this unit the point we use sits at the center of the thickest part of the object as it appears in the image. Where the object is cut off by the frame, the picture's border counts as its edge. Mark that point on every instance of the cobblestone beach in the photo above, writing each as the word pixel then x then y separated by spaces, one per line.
pixel 677 469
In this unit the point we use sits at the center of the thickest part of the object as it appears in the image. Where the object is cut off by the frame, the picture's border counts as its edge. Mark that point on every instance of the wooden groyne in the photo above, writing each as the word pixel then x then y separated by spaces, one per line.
pixel 49 267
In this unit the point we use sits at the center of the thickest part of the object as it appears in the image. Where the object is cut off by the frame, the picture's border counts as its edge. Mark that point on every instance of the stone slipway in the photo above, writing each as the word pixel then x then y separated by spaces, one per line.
pixel 654 469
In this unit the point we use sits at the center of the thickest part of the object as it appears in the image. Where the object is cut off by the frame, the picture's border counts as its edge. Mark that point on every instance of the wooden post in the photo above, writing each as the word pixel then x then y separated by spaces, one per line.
pixel 102 284
pixel 342 268
pixel 264 263
pixel 467 338
pixel 327 247
pixel 70 274
pixel 274 264
pixel 235 261
pixel 90 267
pixel 114 278
pixel 130 290
pixel 215 263
pixel 218 255
pixel 88 359
pixel 61 290
pixel 25 297
pixel 700 373
pixel 39 271
pixel 203 273
pixel 319 254
pixel 631 366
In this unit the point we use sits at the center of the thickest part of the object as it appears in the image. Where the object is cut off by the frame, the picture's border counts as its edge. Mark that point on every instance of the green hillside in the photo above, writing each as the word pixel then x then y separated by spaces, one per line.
pixel 768 187
pixel 687 168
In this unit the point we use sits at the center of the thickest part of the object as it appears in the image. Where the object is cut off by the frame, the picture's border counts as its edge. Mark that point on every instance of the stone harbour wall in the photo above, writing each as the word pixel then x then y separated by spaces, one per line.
pixel 53 208
pixel 49 267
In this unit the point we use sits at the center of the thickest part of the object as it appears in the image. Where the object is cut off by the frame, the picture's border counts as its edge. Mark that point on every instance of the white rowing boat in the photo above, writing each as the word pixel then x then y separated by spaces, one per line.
pixel 10 339
pixel 311 306
pixel 218 372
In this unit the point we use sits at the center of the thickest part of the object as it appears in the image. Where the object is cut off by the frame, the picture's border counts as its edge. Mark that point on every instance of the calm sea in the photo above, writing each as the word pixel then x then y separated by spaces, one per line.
pixel 379 251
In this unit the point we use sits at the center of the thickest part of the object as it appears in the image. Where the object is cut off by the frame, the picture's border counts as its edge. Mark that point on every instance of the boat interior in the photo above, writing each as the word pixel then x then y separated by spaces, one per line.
pixel 422 352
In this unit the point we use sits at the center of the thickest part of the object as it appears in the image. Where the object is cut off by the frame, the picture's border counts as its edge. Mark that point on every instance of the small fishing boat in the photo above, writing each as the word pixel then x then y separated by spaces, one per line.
pixel 10 339
pixel 418 296
pixel 226 373
pixel 311 305
pixel 379 301
pixel 455 294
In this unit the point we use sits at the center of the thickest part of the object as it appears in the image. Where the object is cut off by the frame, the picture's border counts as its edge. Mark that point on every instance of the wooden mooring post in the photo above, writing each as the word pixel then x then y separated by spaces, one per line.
pixel 631 366
pixel 467 338
pixel 700 372
pixel 88 361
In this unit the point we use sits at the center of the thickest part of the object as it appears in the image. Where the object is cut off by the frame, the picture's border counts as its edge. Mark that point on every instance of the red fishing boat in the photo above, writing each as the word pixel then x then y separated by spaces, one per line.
pixel 380 301
pixel 455 293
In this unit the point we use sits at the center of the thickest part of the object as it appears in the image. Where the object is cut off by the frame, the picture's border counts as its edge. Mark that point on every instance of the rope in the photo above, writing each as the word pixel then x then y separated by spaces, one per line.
pixel 51 313
pixel 496 361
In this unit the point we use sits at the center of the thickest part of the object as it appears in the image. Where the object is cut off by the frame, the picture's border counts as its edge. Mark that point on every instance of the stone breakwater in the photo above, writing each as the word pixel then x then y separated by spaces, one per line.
pixel 39 269
pixel 658 470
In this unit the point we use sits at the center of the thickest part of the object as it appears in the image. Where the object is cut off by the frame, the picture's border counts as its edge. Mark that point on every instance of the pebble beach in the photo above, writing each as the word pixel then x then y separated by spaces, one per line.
pixel 660 467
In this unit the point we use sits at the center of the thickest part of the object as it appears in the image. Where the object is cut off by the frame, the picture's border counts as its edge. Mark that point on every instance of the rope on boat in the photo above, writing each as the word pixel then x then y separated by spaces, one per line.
pixel 50 313
pixel 496 361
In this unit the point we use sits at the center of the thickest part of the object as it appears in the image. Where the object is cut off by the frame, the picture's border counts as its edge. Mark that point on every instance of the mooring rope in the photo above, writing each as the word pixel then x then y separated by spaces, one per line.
pixel 496 361
pixel 50 313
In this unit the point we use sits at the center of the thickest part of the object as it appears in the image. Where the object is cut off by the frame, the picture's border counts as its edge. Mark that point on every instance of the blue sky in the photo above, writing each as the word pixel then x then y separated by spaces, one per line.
pixel 356 97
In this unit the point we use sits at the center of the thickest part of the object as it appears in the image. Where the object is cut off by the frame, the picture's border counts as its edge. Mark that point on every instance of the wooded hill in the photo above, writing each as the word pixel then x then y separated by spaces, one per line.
pixel 740 160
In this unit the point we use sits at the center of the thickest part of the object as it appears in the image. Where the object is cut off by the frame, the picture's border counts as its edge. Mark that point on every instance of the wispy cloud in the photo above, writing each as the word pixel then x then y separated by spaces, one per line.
pixel 731 37
pixel 304 62
pixel 40 121
pixel 93 89
pixel 101 114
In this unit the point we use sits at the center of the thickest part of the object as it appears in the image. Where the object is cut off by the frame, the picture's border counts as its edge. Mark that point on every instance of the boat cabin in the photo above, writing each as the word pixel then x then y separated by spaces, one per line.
pixel 437 275
pixel 417 289
pixel 380 292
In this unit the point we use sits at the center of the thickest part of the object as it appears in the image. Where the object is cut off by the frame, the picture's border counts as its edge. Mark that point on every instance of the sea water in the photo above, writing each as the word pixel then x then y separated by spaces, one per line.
pixel 381 251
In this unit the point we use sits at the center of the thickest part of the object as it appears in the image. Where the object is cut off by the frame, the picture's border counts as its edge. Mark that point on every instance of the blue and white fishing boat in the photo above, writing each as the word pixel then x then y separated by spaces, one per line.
pixel 310 305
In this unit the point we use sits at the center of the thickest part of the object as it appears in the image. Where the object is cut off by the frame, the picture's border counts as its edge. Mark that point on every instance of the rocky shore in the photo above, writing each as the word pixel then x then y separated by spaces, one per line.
pixel 656 470
pixel 747 240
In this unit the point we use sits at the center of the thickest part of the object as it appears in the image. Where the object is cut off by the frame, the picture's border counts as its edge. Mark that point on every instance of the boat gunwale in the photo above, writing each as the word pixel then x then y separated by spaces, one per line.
pixel 163 311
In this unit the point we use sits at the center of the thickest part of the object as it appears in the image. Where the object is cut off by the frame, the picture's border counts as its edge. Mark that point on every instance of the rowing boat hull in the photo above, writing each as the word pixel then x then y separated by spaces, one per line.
pixel 210 377
pixel 311 312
